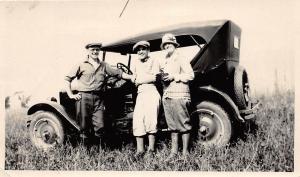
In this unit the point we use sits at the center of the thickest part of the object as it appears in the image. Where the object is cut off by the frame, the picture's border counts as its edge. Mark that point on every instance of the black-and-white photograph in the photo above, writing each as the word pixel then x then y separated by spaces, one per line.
pixel 127 85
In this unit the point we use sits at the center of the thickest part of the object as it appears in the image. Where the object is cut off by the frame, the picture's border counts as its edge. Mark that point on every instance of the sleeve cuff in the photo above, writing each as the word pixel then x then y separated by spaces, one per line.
pixel 68 79
pixel 177 78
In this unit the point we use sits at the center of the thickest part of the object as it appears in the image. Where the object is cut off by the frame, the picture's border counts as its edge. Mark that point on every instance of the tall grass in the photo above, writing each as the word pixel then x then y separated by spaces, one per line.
pixel 271 148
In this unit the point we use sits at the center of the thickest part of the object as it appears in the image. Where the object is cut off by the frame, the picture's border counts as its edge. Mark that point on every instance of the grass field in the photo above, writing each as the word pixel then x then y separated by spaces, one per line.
pixel 270 149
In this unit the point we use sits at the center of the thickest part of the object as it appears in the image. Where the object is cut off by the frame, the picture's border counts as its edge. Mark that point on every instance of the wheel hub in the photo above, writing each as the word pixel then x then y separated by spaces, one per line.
pixel 46 132
pixel 203 130
pixel 207 126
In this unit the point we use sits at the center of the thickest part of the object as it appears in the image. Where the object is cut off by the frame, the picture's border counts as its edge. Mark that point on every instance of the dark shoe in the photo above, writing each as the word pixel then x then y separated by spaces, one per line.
pixel 84 141
pixel 98 143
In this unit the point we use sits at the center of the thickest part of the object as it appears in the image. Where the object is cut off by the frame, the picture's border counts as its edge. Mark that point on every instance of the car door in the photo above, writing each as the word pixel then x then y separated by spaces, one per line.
pixel 120 97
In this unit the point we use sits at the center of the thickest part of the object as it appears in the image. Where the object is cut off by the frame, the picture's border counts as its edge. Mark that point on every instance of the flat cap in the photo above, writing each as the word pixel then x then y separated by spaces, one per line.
pixel 93 45
pixel 141 43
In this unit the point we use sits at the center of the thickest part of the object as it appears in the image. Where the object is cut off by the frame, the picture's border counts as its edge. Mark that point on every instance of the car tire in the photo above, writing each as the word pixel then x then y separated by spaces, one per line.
pixel 241 88
pixel 46 130
pixel 214 127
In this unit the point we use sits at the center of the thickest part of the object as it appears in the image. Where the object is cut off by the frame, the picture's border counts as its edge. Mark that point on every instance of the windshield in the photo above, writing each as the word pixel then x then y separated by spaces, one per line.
pixel 190 45
pixel 188 52
pixel 113 58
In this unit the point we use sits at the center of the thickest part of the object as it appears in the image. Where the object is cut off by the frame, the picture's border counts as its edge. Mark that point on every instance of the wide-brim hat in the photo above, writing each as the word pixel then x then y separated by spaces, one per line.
pixel 93 45
pixel 141 43
pixel 168 39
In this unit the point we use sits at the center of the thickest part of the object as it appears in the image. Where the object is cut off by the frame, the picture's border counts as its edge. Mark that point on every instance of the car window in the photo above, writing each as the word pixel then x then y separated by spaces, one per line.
pixel 113 58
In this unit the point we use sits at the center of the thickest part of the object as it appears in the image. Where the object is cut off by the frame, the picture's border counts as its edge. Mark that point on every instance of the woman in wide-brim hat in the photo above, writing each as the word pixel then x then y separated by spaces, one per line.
pixel 176 95
pixel 168 39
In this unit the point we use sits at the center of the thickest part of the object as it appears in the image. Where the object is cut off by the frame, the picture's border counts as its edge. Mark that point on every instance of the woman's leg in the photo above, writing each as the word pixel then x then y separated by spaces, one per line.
pixel 174 146
pixel 140 144
pixel 138 127
pixel 174 143
pixel 151 138
pixel 185 143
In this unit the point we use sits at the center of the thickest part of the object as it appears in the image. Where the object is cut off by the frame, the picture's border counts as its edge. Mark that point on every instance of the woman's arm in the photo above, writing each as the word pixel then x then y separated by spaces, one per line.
pixel 187 73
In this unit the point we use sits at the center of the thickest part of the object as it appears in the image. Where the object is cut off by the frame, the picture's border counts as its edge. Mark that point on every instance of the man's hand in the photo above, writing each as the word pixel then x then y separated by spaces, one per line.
pixel 75 96
pixel 132 78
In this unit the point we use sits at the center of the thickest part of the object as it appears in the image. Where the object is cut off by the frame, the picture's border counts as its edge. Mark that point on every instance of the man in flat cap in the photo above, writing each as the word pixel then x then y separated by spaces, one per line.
pixel 91 75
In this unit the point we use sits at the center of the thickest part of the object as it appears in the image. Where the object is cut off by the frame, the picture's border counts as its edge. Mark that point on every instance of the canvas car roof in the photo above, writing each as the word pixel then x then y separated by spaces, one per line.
pixel 205 30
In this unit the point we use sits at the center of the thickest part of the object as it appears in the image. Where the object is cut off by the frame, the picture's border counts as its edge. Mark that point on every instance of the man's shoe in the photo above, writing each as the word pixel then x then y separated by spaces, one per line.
pixel 98 143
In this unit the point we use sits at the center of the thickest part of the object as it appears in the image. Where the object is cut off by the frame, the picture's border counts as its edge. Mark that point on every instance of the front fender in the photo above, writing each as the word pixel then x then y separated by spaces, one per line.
pixel 52 107
pixel 209 90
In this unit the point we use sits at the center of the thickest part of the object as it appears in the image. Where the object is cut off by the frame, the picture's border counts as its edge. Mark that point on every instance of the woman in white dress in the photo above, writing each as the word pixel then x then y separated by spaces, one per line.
pixel 148 99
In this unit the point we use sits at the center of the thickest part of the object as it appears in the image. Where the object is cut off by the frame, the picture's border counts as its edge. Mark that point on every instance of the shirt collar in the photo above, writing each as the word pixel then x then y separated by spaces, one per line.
pixel 146 59
pixel 175 53
pixel 88 60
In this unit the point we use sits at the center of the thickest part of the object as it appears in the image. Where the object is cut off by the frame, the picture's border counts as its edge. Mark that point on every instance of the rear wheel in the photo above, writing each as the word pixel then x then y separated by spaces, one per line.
pixel 241 88
pixel 213 124
pixel 46 130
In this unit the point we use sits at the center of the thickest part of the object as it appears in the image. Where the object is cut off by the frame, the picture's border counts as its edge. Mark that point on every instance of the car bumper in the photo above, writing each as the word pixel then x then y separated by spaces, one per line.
pixel 250 113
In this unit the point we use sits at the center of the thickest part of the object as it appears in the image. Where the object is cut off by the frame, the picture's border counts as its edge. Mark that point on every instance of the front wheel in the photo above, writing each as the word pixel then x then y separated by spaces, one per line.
pixel 46 130
pixel 213 124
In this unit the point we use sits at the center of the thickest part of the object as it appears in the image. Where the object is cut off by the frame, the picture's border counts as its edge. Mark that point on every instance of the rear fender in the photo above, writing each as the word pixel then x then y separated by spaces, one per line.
pixel 215 94
pixel 52 107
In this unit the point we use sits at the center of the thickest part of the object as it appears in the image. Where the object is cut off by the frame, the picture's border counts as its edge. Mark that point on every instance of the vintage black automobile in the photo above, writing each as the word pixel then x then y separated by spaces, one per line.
pixel 220 91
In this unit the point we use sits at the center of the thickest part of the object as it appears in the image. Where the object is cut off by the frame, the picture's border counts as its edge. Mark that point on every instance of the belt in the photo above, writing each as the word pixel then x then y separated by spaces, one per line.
pixel 94 92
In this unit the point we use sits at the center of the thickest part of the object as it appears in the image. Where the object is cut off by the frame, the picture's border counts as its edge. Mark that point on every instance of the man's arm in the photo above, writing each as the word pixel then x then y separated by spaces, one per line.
pixel 145 79
pixel 128 77
pixel 68 79
pixel 70 93
pixel 117 73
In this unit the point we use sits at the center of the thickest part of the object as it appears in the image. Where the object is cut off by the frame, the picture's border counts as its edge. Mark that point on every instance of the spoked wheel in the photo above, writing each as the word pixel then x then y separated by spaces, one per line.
pixel 241 88
pixel 46 130
pixel 214 126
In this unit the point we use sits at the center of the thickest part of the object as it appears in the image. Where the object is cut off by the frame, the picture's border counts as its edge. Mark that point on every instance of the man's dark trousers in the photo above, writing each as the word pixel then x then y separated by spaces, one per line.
pixel 90 116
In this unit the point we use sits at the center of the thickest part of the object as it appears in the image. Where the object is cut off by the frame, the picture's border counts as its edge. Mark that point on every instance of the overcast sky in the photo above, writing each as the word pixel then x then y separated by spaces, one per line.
pixel 40 41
